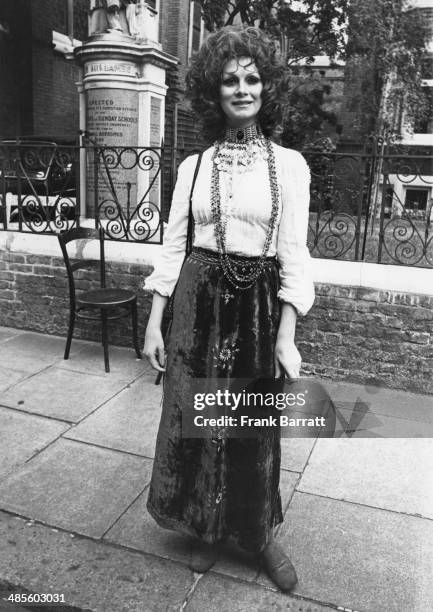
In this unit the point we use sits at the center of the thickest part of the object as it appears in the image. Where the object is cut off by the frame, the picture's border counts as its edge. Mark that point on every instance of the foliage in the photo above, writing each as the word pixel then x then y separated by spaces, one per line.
pixel 307 113
pixel 386 45
pixel 311 27
pixel 381 40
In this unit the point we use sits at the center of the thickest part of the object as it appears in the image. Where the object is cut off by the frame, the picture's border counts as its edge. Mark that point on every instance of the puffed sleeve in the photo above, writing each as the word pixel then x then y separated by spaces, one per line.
pixel 169 261
pixel 296 280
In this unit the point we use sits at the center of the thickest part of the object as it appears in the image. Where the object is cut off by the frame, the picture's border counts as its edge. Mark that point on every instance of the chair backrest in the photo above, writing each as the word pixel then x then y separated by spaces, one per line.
pixel 82 233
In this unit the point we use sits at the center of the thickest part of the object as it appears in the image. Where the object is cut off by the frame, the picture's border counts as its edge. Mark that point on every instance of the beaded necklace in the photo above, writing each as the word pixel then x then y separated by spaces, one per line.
pixel 242 147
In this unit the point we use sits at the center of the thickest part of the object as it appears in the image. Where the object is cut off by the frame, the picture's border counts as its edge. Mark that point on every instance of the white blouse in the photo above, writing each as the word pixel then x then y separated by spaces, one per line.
pixel 248 213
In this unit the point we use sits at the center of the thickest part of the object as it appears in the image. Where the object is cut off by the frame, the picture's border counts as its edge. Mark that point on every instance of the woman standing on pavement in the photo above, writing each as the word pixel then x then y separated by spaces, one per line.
pixel 237 298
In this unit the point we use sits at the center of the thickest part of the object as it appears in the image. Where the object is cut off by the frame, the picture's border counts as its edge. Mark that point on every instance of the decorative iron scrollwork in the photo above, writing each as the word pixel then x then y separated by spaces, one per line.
pixel 359 206
pixel 132 210
pixel 39 178
pixel 407 237
pixel 337 193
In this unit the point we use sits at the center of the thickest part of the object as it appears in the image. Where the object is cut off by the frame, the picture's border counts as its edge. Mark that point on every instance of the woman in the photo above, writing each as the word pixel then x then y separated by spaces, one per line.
pixel 235 307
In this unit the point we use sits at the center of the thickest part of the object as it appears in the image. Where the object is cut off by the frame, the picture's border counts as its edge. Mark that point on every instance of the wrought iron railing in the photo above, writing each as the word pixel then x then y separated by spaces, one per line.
pixel 337 205
pixel 359 206
pixel 38 186
pixel 405 232
pixel 126 193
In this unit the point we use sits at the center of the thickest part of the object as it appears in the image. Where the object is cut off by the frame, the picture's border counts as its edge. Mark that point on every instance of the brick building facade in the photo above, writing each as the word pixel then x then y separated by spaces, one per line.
pixel 38 94
pixel 180 33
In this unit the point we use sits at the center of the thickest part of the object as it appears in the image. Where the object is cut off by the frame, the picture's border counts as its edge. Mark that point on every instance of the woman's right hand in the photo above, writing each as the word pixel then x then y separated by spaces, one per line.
pixel 154 348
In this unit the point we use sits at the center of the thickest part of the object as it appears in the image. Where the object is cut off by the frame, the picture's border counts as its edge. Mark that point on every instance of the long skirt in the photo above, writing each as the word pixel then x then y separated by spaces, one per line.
pixel 218 487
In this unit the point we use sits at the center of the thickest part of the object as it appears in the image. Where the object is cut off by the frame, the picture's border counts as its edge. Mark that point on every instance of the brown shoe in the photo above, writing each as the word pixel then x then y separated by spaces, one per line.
pixel 203 556
pixel 279 567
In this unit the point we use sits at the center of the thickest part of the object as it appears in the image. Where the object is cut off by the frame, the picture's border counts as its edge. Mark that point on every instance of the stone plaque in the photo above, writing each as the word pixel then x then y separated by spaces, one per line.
pixel 112 122
pixel 110 67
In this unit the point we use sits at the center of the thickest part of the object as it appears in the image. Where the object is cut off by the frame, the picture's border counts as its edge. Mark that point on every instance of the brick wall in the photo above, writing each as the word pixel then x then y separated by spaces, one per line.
pixel 355 333
pixel 351 333
pixel 174 32
pixel 38 94
pixel 34 295
pixel 15 69
pixel 55 96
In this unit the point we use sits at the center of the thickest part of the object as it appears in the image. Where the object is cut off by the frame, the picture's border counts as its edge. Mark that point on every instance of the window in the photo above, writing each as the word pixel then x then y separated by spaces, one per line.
pixel 424 123
pixel 415 201
pixel 195 27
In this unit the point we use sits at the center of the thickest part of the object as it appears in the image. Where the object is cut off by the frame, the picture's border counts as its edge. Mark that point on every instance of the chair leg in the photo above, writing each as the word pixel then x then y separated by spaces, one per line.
pixel 105 339
pixel 70 334
pixel 135 329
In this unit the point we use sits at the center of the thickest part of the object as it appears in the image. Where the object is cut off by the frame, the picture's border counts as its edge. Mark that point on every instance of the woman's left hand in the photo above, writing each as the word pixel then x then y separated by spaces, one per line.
pixel 287 358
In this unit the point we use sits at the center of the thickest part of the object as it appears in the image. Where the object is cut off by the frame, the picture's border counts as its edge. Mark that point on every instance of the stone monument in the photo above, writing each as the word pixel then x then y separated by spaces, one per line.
pixel 122 94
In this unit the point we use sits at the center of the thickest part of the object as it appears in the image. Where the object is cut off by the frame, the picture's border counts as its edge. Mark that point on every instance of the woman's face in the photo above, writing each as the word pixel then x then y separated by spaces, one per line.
pixel 241 92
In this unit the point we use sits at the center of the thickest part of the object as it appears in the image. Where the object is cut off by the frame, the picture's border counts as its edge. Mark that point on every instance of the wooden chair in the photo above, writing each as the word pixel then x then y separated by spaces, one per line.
pixel 110 303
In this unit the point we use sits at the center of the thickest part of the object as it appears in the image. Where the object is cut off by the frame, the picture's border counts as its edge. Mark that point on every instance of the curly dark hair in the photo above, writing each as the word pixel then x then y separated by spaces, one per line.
pixel 204 76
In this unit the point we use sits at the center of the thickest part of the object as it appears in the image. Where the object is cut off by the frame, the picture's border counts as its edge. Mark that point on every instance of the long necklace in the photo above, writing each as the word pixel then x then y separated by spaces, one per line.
pixel 249 273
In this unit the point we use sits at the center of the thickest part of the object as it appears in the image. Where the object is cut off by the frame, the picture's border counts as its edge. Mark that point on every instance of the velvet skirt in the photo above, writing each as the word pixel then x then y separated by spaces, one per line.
pixel 219 487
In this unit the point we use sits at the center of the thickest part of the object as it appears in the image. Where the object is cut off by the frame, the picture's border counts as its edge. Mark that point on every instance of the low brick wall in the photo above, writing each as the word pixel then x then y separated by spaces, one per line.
pixel 368 335
pixel 351 333
pixel 34 295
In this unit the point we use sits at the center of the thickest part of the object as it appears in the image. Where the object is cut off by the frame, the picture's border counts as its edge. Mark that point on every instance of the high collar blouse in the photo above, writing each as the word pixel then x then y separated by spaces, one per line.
pixel 247 214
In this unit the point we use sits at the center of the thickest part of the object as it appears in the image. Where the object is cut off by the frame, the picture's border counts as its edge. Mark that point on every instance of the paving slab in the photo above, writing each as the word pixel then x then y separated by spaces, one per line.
pixel 215 593
pixel 137 529
pixel 358 557
pixel 382 400
pixel 288 482
pixel 76 486
pixel 241 564
pixel 89 357
pixel 357 424
pixel 295 453
pixel 22 435
pixel 61 394
pixel 9 377
pixel 91 575
pixel 128 422
pixel 236 563
pixel 31 352
pixel 6 333
pixel 394 474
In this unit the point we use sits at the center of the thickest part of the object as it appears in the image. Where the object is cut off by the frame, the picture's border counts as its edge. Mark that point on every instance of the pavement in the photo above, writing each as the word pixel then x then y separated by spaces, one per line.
pixel 76 449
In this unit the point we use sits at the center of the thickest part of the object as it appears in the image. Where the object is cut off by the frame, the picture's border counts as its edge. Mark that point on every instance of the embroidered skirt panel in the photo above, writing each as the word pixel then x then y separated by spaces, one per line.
pixel 219 487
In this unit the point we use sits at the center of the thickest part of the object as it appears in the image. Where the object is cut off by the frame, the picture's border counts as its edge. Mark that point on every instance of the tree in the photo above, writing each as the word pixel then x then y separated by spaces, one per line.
pixel 310 27
pixel 387 43
pixel 308 114
pixel 383 40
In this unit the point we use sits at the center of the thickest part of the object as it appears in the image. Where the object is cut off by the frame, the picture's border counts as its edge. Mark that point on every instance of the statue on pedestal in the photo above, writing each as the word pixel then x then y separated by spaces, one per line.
pixel 127 16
